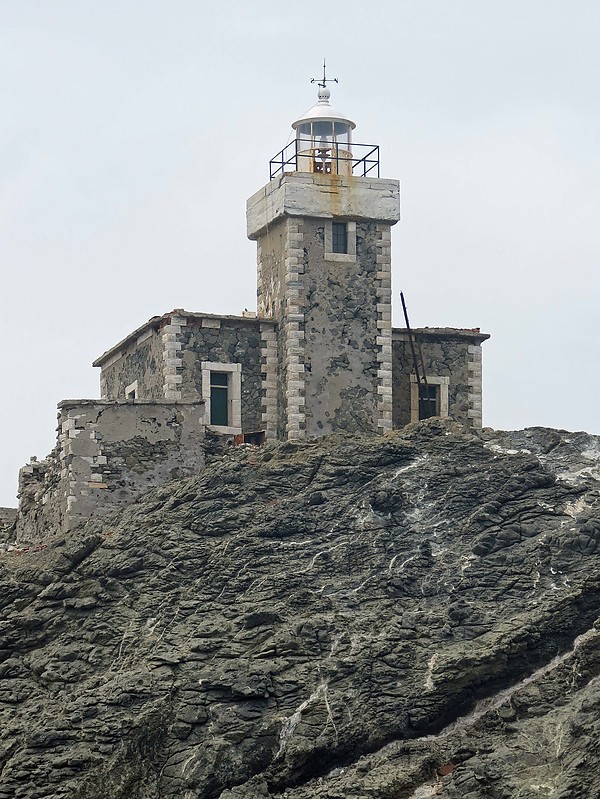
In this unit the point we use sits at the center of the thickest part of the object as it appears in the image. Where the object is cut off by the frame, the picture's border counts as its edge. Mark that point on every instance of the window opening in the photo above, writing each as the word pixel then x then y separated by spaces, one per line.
pixel 219 399
pixel 428 400
pixel 256 438
pixel 131 391
pixel 339 237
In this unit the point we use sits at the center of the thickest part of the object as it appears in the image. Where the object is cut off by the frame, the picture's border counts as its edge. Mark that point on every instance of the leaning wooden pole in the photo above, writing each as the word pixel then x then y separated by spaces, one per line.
pixel 411 342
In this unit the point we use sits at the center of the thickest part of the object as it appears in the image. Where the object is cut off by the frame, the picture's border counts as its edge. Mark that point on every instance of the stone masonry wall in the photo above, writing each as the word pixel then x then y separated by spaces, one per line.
pixel 340 299
pixel 225 341
pixel 108 454
pixel 165 362
pixel 334 345
pixel 269 378
pixel 452 354
pixel 41 494
pixel 383 292
pixel 333 310
pixel 272 301
pixel 141 361
pixel 293 331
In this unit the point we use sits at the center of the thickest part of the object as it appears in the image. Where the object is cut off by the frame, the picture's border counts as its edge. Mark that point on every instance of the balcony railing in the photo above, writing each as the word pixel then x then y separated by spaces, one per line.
pixel 301 155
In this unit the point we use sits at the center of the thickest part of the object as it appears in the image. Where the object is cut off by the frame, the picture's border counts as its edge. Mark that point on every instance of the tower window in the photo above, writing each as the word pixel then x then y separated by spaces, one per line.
pixel 340 241
pixel 339 237
pixel 429 404
pixel 219 398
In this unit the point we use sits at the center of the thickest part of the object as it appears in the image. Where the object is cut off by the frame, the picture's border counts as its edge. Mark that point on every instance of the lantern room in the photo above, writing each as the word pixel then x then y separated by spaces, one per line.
pixel 323 145
pixel 324 139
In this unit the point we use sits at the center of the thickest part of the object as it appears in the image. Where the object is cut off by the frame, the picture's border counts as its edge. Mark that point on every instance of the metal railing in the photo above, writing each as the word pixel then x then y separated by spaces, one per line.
pixel 336 159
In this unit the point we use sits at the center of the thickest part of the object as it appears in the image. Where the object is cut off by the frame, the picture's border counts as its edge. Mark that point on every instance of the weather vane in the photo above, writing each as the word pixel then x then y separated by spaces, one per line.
pixel 323 83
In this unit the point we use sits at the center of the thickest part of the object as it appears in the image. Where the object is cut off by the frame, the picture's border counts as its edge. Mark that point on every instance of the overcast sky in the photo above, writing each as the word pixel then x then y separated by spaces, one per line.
pixel 133 131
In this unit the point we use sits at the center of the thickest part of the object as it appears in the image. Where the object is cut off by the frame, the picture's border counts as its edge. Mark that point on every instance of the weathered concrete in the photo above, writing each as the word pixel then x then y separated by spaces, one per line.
pixel 108 454
pixel 300 194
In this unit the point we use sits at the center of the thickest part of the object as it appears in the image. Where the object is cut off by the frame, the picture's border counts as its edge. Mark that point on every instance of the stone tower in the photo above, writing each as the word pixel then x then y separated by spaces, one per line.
pixel 322 226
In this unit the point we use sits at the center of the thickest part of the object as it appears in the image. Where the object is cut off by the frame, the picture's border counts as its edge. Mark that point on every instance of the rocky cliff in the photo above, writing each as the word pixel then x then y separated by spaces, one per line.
pixel 411 616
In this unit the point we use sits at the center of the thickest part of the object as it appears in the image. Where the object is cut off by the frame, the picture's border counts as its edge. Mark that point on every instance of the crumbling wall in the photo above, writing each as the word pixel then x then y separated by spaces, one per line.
pixel 108 454
pixel 450 353
pixel 41 498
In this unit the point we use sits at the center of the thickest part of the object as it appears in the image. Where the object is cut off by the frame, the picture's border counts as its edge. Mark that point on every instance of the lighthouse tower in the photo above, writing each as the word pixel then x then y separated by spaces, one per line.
pixel 322 226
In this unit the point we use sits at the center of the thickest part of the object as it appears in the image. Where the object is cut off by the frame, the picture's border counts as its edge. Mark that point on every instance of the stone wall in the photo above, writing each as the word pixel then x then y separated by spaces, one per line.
pixel 275 267
pixel 339 299
pixel 108 455
pixel 164 359
pixel 451 354
pixel 227 341
pixel 269 378
pixel 140 361
pixel 333 310
pixel 41 508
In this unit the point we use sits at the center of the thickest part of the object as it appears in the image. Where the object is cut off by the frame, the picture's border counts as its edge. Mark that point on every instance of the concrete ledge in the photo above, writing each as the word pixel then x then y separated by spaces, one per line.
pixel 323 196
pixel 72 403
pixel 472 335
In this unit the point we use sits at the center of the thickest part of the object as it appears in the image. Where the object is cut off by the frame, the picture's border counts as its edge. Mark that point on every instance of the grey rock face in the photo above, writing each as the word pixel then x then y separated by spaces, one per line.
pixel 8 518
pixel 409 616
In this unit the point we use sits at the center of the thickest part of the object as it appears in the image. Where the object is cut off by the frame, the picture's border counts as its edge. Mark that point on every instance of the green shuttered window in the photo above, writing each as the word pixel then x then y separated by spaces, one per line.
pixel 219 399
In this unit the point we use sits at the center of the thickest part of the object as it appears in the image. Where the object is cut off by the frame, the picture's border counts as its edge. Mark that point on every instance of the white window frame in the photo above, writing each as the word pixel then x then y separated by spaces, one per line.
pixel 131 391
pixel 432 380
pixel 345 257
pixel 234 395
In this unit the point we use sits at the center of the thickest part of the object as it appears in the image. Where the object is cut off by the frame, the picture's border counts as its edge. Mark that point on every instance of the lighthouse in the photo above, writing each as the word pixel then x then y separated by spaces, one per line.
pixel 322 225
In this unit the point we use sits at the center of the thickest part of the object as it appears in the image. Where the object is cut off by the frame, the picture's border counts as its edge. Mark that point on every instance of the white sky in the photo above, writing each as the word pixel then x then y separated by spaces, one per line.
pixel 132 132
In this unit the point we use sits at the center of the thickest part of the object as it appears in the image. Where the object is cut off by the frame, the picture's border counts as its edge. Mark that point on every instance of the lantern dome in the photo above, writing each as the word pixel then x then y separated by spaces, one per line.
pixel 324 138
pixel 323 111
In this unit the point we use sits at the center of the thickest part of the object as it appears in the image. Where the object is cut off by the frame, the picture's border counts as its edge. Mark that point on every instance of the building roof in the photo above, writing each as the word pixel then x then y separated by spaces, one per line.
pixel 471 333
pixel 322 110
